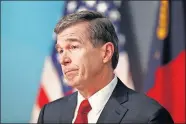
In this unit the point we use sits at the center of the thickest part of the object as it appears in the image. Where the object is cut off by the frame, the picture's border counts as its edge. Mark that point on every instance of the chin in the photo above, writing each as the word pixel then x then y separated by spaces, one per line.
pixel 73 82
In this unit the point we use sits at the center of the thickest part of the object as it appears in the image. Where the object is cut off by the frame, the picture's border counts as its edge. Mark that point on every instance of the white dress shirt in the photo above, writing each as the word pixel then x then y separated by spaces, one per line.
pixel 97 101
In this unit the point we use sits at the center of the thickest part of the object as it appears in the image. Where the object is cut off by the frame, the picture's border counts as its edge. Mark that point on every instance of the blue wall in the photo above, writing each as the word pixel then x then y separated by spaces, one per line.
pixel 26 39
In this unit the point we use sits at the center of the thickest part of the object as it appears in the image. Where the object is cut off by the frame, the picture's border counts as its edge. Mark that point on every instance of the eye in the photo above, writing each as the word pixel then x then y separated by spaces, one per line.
pixel 60 51
pixel 73 47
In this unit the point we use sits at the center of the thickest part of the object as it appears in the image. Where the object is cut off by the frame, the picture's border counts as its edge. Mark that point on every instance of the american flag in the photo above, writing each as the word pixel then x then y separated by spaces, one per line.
pixel 53 85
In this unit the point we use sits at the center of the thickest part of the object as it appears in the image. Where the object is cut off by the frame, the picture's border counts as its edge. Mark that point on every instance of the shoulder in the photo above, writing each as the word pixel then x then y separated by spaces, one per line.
pixel 60 102
pixel 142 100
pixel 145 107
pixel 57 105
pixel 52 111
pixel 135 100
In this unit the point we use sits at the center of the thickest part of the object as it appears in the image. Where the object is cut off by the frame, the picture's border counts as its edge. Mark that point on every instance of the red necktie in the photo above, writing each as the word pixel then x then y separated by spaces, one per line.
pixel 82 112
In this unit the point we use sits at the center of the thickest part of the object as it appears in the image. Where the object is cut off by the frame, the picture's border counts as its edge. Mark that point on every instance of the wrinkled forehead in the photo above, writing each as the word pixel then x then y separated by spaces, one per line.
pixel 81 29
pixel 78 33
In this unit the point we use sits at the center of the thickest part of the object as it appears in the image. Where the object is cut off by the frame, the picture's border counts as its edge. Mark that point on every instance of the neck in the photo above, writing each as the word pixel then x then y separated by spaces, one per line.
pixel 97 83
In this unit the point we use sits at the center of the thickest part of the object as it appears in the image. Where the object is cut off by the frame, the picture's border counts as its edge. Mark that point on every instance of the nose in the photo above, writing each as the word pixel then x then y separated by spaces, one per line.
pixel 65 59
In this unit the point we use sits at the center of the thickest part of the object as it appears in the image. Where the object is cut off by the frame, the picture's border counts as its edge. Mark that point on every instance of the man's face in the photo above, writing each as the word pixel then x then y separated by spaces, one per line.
pixel 80 61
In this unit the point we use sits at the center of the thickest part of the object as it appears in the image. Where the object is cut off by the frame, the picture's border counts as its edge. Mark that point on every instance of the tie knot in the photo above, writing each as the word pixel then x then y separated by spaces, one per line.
pixel 84 107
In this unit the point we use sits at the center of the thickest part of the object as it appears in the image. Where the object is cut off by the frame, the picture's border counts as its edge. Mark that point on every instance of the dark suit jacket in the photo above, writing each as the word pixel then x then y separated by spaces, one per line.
pixel 124 106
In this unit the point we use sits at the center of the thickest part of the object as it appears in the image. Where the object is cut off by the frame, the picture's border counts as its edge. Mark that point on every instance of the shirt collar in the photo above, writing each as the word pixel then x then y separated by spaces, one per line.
pixel 100 98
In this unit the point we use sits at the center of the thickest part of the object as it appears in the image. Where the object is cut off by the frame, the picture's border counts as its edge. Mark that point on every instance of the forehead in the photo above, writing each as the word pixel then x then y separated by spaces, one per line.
pixel 79 29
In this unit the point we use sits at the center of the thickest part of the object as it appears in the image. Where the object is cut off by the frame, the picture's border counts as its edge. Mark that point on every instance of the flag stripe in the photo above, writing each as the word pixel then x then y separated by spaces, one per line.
pixel 35 113
pixel 42 97
pixel 122 70
pixel 51 81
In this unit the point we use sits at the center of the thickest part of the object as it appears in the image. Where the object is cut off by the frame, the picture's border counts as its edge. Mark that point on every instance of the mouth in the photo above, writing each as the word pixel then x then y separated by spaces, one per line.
pixel 70 71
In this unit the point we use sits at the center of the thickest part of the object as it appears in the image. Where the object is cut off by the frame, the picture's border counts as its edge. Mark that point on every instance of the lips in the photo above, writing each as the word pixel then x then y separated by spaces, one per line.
pixel 69 70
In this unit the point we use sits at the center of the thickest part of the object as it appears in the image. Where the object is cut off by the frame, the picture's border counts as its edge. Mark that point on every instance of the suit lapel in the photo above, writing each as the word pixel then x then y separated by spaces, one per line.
pixel 113 111
pixel 67 113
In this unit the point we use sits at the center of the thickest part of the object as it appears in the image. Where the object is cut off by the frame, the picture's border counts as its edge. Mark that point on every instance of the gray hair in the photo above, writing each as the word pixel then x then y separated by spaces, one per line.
pixel 101 29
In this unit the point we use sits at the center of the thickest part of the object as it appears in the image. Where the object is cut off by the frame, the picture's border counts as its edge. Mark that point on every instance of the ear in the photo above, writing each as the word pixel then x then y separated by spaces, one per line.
pixel 108 51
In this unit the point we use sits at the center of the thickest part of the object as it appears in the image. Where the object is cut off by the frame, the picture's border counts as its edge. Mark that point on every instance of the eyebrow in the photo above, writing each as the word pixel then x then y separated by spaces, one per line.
pixel 69 40
pixel 72 40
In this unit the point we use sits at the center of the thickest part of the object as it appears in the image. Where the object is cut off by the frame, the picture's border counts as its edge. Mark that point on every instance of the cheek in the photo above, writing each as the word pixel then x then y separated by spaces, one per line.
pixel 92 62
pixel 79 59
pixel 87 61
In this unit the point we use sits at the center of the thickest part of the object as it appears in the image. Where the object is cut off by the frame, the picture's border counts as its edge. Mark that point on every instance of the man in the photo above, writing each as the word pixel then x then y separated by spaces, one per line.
pixel 88 48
